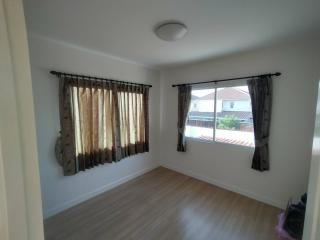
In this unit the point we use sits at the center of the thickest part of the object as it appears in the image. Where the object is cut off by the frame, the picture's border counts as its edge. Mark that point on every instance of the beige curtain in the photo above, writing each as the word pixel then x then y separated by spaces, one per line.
pixel 109 122
pixel 133 119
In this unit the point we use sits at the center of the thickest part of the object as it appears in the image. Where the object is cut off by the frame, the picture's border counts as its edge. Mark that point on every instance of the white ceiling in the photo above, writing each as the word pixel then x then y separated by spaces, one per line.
pixel 124 28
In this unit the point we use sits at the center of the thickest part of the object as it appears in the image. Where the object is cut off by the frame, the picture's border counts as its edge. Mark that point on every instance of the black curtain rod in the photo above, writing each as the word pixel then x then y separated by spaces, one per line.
pixel 95 78
pixel 227 79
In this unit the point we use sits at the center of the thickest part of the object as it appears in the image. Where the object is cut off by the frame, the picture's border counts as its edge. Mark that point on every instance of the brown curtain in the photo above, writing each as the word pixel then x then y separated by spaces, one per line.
pixel 108 122
pixel 67 132
pixel 184 100
pixel 260 90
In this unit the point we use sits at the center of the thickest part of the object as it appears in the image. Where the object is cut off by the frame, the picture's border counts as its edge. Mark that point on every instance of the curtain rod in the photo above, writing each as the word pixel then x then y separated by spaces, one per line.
pixel 95 78
pixel 227 79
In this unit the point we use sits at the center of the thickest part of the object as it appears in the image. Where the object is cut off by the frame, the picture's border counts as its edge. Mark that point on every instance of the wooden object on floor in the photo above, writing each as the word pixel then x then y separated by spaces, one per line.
pixel 163 204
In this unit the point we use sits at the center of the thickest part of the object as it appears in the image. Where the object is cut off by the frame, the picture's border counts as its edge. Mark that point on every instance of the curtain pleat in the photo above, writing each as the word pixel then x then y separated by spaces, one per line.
pixel 101 122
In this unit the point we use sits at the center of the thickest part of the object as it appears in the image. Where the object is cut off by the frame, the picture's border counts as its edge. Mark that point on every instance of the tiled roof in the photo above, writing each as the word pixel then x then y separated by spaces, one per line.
pixel 228 94
pixel 194 97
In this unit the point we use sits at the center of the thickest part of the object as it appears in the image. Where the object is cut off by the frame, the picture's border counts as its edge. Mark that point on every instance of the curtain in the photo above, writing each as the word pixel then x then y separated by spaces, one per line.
pixel 67 132
pixel 260 90
pixel 184 99
pixel 133 120
pixel 105 122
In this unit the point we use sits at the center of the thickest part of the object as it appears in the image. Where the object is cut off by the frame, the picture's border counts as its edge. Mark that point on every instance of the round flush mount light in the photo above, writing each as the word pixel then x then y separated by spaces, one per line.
pixel 171 31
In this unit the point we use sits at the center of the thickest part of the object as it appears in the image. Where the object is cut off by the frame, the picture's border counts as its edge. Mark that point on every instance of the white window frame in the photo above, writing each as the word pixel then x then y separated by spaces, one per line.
pixel 215 86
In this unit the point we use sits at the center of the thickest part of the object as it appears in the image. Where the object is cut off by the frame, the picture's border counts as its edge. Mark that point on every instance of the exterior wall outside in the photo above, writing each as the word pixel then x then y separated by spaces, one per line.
pixel 237 106
pixel 202 105
pixel 222 105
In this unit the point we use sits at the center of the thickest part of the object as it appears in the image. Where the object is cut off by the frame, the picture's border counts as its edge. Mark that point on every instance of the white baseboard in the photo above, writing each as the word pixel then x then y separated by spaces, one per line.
pixel 55 210
pixel 231 188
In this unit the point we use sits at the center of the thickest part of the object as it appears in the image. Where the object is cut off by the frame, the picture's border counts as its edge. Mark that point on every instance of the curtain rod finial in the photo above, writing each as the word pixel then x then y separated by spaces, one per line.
pixel 277 73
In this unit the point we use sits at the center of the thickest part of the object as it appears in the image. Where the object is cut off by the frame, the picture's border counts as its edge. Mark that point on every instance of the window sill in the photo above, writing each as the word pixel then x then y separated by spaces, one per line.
pixel 217 142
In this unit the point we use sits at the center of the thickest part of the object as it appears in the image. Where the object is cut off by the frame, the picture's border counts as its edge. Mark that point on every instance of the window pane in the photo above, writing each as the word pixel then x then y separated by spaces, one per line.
pixel 234 116
pixel 200 120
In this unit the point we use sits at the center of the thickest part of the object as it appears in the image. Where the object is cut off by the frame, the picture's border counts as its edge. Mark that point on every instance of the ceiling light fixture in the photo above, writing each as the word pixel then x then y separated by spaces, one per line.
pixel 171 31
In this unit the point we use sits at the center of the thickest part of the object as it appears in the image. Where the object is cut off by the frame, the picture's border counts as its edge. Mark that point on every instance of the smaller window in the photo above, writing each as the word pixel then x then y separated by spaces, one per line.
pixel 234 123
pixel 231 104
pixel 195 105
pixel 200 120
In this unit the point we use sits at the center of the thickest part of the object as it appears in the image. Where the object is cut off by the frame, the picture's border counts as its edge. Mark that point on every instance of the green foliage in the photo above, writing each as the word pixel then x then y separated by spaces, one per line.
pixel 229 123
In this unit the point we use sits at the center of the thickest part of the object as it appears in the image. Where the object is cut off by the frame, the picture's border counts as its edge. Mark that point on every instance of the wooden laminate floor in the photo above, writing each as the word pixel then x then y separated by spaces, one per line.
pixel 164 204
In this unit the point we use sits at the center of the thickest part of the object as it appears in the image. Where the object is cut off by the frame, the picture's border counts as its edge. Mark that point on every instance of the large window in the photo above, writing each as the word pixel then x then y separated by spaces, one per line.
pixel 221 114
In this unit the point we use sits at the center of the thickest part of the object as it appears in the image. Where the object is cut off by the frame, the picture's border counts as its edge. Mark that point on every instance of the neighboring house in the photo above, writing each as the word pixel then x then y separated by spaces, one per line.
pixel 230 102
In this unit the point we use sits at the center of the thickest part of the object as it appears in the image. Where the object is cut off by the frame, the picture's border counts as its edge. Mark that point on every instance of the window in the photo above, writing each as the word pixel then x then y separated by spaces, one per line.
pixel 200 118
pixel 94 114
pixel 101 122
pixel 223 115
pixel 231 104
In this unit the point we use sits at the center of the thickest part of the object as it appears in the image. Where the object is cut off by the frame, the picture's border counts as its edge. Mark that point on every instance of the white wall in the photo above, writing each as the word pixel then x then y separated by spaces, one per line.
pixel 312 219
pixel 20 201
pixel 291 131
pixel 59 192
